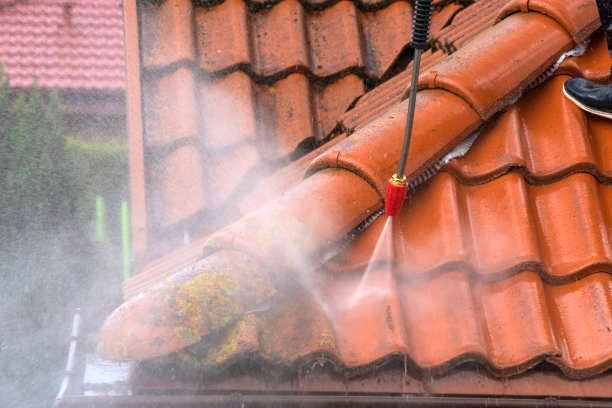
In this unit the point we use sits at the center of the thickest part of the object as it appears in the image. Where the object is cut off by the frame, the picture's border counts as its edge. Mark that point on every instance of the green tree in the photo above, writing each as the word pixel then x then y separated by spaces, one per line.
pixel 49 263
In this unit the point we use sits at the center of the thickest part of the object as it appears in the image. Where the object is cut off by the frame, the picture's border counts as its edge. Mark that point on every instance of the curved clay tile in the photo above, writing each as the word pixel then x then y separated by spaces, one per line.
pixel 276 247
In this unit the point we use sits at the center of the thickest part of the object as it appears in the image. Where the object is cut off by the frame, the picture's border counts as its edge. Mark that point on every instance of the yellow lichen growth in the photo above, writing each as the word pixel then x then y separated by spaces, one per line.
pixel 208 298
pixel 188 335
pixel 219 294
pixel 237 340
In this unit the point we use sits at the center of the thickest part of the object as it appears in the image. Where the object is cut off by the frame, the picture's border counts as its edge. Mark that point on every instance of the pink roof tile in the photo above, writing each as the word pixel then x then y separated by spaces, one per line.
pixel 65 44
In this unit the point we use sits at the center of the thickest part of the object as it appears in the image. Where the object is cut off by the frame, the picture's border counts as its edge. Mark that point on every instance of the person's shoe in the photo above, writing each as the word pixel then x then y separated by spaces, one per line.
pixel 589 96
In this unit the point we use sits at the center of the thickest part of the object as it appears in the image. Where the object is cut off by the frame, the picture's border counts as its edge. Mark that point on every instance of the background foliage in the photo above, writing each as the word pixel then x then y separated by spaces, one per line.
pixel 49 261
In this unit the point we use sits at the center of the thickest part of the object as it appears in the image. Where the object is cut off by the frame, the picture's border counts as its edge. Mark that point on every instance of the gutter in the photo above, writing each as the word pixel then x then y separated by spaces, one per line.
pixel 245 264
pixel 263 400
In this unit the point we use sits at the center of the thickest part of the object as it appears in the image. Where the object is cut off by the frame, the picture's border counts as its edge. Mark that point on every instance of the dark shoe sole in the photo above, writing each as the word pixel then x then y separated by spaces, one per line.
pixel 594 111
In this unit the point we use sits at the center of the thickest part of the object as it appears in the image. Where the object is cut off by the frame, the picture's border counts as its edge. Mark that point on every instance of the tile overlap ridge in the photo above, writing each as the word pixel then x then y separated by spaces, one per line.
pixel 317 5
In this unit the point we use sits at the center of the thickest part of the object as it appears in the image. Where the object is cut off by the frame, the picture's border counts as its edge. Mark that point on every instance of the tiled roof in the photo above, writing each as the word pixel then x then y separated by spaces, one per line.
pixel 496 270
pixel 504 258
pixel 246 87
pixel 69 45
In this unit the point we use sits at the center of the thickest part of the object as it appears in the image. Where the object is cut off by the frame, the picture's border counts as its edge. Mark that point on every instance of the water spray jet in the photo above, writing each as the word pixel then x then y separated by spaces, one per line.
pixel 397 187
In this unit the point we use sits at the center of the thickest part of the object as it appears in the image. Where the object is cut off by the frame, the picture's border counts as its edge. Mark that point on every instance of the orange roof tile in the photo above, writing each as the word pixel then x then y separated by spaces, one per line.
pixel 273 77
pixel 504 258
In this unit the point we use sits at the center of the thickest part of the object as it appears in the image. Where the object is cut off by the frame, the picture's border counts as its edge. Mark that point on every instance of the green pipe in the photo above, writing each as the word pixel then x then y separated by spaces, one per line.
pixel 100 219
pixel 125 240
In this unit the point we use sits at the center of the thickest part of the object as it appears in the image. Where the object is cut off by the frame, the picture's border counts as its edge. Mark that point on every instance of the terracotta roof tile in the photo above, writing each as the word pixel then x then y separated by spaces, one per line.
pixel 333 100
pixel 222 35
pixel 220 75
pixel 170 108
pixel 70 45
pixel 382 47
pixel 504 258
pixel 178 176
pixel 167 33
pixel 463 219
pixel 385 96
pixel 466 23
pixel 524 137
pixel 594 64
pixel 281 37
pixel 228 111
pixel 332 34
pixel 286 118
pixel 229 172
pixel 440 323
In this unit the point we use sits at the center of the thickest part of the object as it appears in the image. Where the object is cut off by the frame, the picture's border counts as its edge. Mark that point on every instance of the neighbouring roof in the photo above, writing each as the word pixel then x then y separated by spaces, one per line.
pixel 63 44
pixel 502 260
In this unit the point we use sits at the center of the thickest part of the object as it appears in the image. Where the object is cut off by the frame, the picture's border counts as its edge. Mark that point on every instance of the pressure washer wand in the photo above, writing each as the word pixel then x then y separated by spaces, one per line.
pixel 397 188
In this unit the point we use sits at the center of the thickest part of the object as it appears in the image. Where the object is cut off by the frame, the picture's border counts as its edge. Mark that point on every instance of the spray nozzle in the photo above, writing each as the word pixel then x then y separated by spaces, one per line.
pixel 398 184
pixel 397 187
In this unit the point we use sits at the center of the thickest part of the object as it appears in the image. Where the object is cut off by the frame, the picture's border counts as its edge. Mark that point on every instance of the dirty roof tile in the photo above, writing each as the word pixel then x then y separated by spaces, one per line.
pixel 468 21
pixel 227 111
pixel 334 99
pixel 373 104
pixel 179 175
pixel 334 39
pixel 171 109
pixel 228 171
pixel 279 38
pixel 439 323
pixel 384 46
pixel 282 37
pixel 222 35
pixel 289 119
pixel 279 328
pixel 289 69
pixel 167 33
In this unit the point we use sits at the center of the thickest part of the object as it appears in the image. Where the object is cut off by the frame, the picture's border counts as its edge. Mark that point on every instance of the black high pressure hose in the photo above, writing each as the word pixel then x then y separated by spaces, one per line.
pixel 398 184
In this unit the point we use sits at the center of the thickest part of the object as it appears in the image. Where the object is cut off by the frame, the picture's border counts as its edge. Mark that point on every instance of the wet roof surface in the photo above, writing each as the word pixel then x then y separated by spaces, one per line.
pixel 244 88
pixel 503 258
pixel 69 45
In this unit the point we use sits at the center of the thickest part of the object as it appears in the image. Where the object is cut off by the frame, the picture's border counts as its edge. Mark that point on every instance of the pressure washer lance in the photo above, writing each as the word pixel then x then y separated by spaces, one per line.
pixel 397 188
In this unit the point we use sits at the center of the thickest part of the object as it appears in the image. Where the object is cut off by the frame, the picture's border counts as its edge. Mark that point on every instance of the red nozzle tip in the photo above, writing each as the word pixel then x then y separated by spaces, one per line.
pixel 396 194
